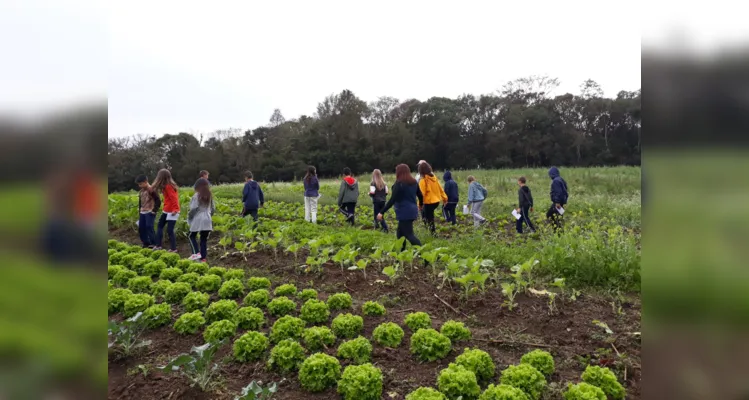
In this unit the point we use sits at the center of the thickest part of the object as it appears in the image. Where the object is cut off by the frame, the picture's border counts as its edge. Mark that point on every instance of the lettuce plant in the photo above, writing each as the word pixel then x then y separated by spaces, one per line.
pixel 221 309
pixel 286 356
pixel 315 312
pixel 116 299
pixel 358 350
pixel 503 392
pixel 116 258
pixel 456 331
pixel 539 359
pixel 255 283
pixel 159 287
pixel 157 315
pixel 128 259
pixel 458 382
pixel 286 289
pixel 219 331
pixel 218 271
pixel 340 301
pixel 347 325
pixel 189 323
pixel 184 264
pixel 307 294
pixel 154 268
pixel 361 382
pixel 170 259
pixel 176 292
pixel 208 283
pixel 231 289
pixel 257 298
pixel 425 393
pixel 171 273
pixel 137 302
pixel 584 391
pixel 195 301
pixel 123 276
pixel 388 334
pixel 234 273
pixel 281 306
pixel 251 318
pixel 526 378
pixel 139 264
pixel 189 277
pixel 418 320
pixel 250 346
pixel 373 308
pixel 319 372
pixel 112 270
pixel 604 379
pixel 286 327
pixel 479 362
pixel 197 267
pixel 318 338
pixel 430 345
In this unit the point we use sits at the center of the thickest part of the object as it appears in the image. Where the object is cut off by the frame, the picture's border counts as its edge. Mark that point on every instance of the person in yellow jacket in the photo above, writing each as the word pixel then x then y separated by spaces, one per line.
pixel 432 195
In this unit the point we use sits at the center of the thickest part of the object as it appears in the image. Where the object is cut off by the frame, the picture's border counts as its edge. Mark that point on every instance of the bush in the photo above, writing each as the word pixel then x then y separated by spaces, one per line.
pixel 358 350
pixel 251 318
pixel 110 285
pixel 281 306
pixel 219 330
pixel 315 312
pixel 176 292
pixel 112 244
pixel 197 267
pixel 287 327
pixel 425 393
pixel 430 345
pixel 123 276
pixel 526 378
pixel 340 301
pixel 584 391
pixel 112 270
pixel 458 382
pixel 189 323
pixel 307 294
pixel 234 273
pixel 170 259
pixel 195 301
pixel 255 283
pixel 154 268
pixel 184 264
pixel 503 392
pixel 319 372
pixel 116 258
pixel 286 356
pixel 139 264
pixel 388 334
pixel 172 273
pixel 361 382
pixel 317 338
pixel 157 315
pixel 221 309
pixel 140 284
pixel 250 346
pixel 347 325
pixel 604 379
pixel 231 289
pixel 539 359
pixel 128 259
pixel 159 287
pixel 479 362
pixel 208 283
pixel 257 298
pixel 218 271
pixel 418 320
pixel 373 308
pixel 286 289
pixel 456 331
pixel 190 277
pixel 136 303
pixel 116 299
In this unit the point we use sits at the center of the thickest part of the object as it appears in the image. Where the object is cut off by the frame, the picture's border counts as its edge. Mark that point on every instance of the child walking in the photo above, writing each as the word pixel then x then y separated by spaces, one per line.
pixel 166 185
pixel 148 205
pixel 252 196
pixel 311 194
pixel 378 191
pixel 525 205
pixel 453 197
pixel 476 196
pixel 202 208
pixel 432 193
pixel 405 194
pixel 348 194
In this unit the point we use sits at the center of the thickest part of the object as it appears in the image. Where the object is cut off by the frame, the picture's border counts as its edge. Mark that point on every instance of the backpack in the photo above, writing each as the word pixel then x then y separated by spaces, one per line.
pixel 483 190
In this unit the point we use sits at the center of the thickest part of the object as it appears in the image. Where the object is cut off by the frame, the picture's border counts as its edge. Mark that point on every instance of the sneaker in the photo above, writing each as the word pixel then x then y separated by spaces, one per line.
pixel 204 260
pixel 195 257
pixel 173 251
pixel 158 248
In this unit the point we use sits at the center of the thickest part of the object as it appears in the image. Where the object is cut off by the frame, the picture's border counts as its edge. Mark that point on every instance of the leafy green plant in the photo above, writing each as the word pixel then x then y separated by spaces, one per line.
pixel 319 372
pixel 286 327
pixel 157 315
pixel 286 289
pixel 231 289
pixel 116 299
pixel 426 393
pixel 373 308
pixel 218 271
pixel 510 290
pixel 286 355
pixel 539 359
pixel 257 298
pixel 250 346
pixel 137 302
pixel 526 378
pixel 190 277
pixel 318 337
pixel 281 306
pixel 584 391
pixel 456 331
pixel 388 334
pixel 123 276
pixel 172 273
pixel 234 273
pixel 154 268
pixel 112 270
pixel 176 292
pixel 315 312
pixel 255 391
pixel 139 264
pixel 249 318
pixel 307 294
pixel 219 331
pixel 430 345
pixel 479 362
pixel 458 382
pixel 523 274
pixel 170 259
pixel 116 258
pixel 208 283
pixel 195 301
pixel 418 320
pixel 255 283
pixel 125 336
pixel 189 323
pixel 197 267
pixel 361 382
pixel 159 287
pixel 604 379
pixel 221 309
pixel 503 392
pixel 347 325
pixel 184 264
pixel 358 350
pixel 340 301
pixel 196 366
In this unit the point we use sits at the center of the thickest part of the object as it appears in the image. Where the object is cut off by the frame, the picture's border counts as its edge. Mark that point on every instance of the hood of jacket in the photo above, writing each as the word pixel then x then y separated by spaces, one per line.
pixel 253 184
pixel 447 176
pixel 430 178
pixel 350 181
pixel 553 172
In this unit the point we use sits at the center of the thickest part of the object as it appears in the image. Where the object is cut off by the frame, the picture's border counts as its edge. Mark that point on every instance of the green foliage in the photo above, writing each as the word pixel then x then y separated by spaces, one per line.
pixel 358 350
pixel 123 276
pixel 255 391
pixel 184 264
pixel 307 294
pixel 286 356
pixel 195 301
pixel 116 258
pixel 140 284
pixel 171 273
pixel 281 306
pixel 156 254
pixel 319 372
pixel 125 336
pixel 503 392
pixel 176 292
pixel 418 320
pixel 146 252
pixel 456 331
pixel 219 331
pixel 479 362
pixel 286 289
pixel 286 327
pixel 249 318
pixel 234 273
pixel 110 285
pixel 255 283
pixel 208 283
pixel 257 298
pixel 458 382
pixel 318 338
pixel 218 271
pixel 221 309
pixel 157 315
pixel 604 379
pixel 388 334
pixel 128 259
pixel 426 393
pixel 190 277
pixel 189 323
pixel 137 302
pixel 170 259
pixel 340 301
pixel 315 312
pixel 139 264
pixel 197 267
pixel 231 289
pixel 539 359
pixel 250 346
pixel 430 345
pixel 361 382
pixel 112 244
pixel 584 391
pixel 196 366
pixel 526 378
pixel 347 325
pixel 112 270
pixel 373 308
pixel 116 299
pixel 154 268
pixel 159 287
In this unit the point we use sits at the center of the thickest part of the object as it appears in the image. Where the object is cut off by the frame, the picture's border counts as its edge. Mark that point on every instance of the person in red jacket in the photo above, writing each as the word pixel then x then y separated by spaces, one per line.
pixel 165 184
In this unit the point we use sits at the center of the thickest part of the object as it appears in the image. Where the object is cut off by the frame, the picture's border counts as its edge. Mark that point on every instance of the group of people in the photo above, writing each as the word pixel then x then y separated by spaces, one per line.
pixel 410 196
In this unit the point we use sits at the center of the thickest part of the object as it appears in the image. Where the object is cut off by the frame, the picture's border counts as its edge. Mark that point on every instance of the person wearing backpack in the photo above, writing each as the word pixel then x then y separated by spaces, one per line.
pixel 348 194
pixel 476 196
pixel 559 197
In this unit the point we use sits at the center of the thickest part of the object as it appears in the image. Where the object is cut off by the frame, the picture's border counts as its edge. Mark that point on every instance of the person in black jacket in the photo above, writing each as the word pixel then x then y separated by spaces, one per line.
pixel 378 191
pixel 252 196
pixel 525 206
pixel 559 197
pixel 453 197
pixel 404 194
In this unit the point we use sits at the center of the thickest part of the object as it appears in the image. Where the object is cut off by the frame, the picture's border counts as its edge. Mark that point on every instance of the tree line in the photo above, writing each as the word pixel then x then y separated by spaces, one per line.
pixel 519 126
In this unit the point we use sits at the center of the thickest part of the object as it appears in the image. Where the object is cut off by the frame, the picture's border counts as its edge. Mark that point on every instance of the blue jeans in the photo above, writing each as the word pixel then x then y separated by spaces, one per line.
pixel 145 229
pixel 378 206
pixel 169 230
pixel 449 211
pixel 203 243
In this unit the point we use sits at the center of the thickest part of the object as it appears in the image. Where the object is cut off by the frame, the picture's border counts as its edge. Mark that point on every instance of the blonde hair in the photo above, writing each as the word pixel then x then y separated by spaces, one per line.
pixel 163 178
pixel 379 183
pixel 471 178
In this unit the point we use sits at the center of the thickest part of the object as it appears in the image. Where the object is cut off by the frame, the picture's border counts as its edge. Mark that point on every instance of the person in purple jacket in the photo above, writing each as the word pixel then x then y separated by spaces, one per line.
pixel 311 194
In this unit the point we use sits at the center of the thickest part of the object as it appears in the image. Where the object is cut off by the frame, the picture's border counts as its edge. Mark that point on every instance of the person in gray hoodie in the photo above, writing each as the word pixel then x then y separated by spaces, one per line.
pixel 348 194
pixel 199 219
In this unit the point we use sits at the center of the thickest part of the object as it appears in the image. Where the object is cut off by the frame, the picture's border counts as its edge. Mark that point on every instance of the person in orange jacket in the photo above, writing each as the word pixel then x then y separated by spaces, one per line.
pixel 432 195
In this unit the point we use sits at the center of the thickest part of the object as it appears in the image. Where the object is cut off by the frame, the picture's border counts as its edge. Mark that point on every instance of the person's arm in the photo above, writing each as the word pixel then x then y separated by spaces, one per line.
pixel 260 194
pixel 556 191
pixel 421 192
pixel 443 195
pixel 471 195
pixel 213 205
pixel 340 192
pixel 193 208
pixel 156 201
pixel 140 202
pixel 420 196
pixel 316 184
pixel 530 196
pixel 392 199
pixel 245 192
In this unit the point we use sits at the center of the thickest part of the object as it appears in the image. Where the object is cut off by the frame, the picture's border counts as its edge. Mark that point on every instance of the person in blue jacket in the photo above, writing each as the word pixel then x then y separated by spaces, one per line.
pixel 404 196
pixel 558 197
pixel 252 196
pixel 453 197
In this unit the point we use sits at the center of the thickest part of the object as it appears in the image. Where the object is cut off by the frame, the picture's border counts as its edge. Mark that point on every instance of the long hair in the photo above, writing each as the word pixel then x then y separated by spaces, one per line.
pixel 425 169
pixel 403 174
pixel 379 183
pixel 163 178
pixel 311 171
pixel 204 192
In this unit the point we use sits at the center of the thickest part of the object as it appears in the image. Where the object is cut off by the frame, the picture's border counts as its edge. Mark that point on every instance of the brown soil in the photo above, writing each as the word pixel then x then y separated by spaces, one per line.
pixel 568 334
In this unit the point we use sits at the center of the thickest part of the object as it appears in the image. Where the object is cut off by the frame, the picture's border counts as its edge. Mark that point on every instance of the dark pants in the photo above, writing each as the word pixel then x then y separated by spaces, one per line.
pixel 251 212
pixel 428 215
pixel 145 229
pixel 169 230
pixel 449 211
pixel 378 206
pixel 348 209
pixel 524 219
pixel 554 216
pixel 406 229
pixel 203 243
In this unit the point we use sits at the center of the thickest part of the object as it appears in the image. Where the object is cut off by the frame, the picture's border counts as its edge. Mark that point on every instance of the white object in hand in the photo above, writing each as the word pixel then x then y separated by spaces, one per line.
pixel 466 210
pixel 516 214
pixel 371 190
pixel 561 210
pixel 172 216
